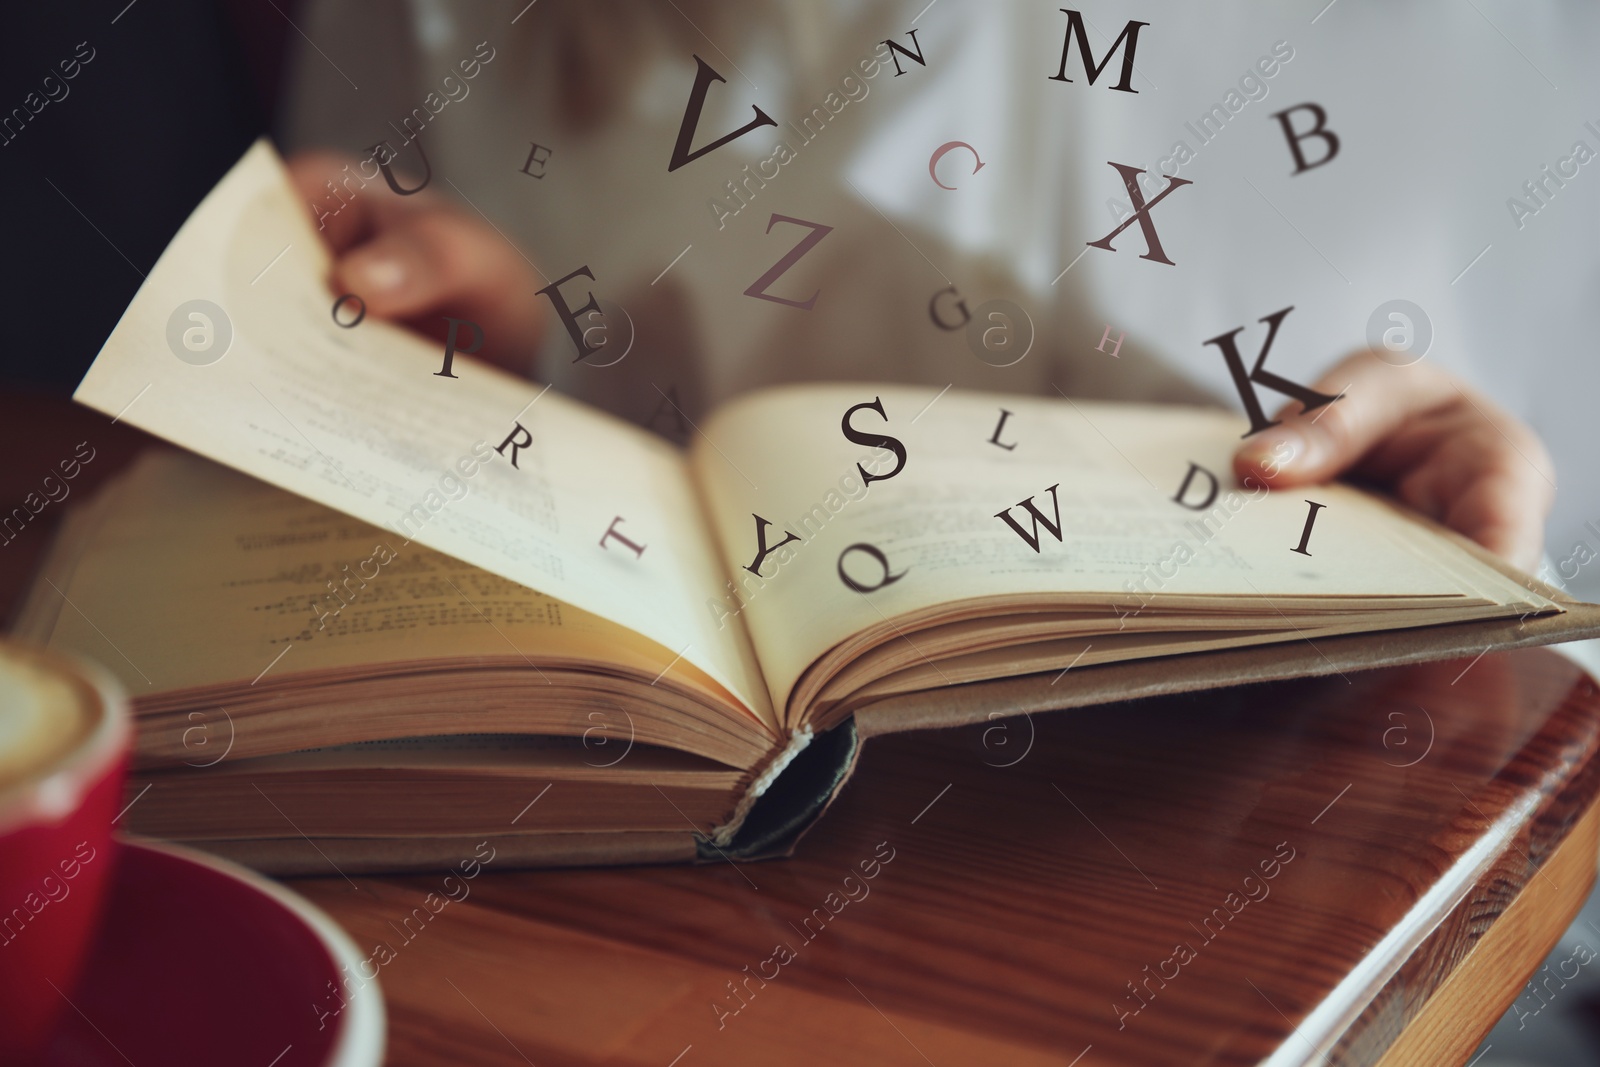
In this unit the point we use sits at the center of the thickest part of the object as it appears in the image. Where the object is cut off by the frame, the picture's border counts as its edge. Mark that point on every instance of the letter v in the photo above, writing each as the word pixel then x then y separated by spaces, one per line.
pixel 703 78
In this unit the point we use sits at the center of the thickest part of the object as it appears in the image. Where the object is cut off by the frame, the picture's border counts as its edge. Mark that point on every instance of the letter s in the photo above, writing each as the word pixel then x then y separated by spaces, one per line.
pixel 857 437
pixel 478 51
pixel 79 51
pixel 79 452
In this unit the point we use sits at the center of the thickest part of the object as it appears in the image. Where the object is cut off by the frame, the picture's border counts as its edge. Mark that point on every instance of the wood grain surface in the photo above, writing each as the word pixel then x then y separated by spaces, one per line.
pixel 1031 883
pixel 1031 911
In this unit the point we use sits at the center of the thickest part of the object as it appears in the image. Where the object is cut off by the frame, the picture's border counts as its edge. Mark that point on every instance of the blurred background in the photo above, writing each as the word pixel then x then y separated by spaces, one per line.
pixel 1446 114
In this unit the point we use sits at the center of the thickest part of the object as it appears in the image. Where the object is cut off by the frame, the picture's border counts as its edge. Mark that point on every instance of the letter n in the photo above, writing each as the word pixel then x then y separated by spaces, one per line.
pixel 1038 519
pixel 703 77
pixel 913 57
pixel 1130 33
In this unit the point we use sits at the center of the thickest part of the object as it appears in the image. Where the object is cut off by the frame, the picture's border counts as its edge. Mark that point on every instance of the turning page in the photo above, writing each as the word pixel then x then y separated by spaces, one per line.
pixel 231 349
pixel 288 586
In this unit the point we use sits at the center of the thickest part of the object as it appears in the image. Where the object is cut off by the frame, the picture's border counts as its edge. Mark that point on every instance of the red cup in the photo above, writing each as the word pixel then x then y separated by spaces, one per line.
pixel 64 737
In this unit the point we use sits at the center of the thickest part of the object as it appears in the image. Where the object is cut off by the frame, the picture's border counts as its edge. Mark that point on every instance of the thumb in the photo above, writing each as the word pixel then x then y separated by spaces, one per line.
pixel 1374 400
pixel 394 275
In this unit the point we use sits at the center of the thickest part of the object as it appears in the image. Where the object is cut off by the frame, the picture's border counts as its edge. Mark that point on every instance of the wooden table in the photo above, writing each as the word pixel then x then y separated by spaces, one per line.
pixel 1359 870
pixel 1407 907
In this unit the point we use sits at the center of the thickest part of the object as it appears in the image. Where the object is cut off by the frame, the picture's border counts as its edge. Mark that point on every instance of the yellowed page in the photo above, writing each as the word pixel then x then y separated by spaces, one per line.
pixel 1118 467
pixel 193 575
pixel 359 420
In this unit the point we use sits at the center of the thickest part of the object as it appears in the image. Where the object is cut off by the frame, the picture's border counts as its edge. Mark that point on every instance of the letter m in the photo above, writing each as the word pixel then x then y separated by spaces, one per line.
pixel 1032 538
pixel 1130 34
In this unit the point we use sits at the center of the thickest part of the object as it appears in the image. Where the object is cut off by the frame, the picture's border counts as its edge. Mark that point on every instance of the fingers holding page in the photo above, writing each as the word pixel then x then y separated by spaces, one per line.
pixel 418 258
pixel 1375 400
pixel 1444 450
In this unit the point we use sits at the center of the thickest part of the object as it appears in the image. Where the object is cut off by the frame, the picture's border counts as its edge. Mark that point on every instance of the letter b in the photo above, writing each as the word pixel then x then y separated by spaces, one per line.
pixel 1318 129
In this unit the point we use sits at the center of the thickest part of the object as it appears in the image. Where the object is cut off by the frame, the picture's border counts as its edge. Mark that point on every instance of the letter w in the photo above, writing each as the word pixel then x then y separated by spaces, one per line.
pixel 1130 33
pixel 1038 519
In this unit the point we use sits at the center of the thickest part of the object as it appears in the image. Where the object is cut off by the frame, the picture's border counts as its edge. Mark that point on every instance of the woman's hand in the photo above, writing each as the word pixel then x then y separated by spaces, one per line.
pixel 415 259
pixel 1435 444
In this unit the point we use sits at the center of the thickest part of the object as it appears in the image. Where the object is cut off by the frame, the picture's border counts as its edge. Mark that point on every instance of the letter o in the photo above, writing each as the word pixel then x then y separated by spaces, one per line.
pixel 339 303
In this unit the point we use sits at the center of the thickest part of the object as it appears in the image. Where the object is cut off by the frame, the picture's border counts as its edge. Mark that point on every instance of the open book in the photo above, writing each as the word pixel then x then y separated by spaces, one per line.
pixel 445 608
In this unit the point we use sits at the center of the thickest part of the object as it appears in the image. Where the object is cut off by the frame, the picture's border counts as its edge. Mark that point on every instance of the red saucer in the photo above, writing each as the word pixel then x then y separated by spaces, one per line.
pixel 201 962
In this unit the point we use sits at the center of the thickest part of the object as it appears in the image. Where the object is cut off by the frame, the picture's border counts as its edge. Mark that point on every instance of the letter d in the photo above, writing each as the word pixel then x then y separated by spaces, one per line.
pixel 1183 490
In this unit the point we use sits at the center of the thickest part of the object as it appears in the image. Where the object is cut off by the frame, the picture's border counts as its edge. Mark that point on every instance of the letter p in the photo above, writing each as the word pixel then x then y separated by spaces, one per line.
pixel 451 347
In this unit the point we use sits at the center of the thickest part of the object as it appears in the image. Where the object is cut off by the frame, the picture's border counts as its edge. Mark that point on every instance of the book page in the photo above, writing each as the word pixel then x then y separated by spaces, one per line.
pixel 189 574
pixel 482 466
pixel 1123 539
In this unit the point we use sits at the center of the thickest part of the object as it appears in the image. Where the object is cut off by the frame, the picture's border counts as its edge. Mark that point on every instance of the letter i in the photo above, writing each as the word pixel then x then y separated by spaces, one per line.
pixel 1305 535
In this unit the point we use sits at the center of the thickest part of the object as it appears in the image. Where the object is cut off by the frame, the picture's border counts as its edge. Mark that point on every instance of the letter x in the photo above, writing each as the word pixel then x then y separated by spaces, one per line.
pixel 1141 211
